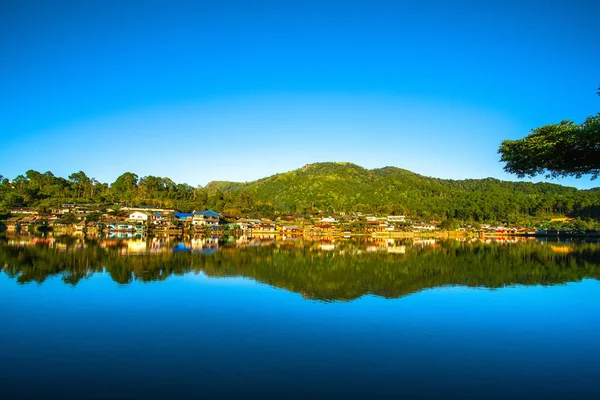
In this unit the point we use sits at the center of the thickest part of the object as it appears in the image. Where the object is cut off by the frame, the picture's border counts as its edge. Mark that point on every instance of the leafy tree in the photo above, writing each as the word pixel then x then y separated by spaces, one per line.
pixel 68 218
pixel 93 216
pixel 117 212
pixel 20 182
pixel 81 183
pixel 125 186
pixel 557 150
pixel 449 224
pixel 14 200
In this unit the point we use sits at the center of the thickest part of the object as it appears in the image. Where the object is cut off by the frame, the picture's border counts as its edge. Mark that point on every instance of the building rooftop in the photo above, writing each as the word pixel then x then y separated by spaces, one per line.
pixel 207 213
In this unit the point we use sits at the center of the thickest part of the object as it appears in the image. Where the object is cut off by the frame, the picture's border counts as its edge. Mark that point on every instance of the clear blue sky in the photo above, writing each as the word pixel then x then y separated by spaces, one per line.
pixel 239 90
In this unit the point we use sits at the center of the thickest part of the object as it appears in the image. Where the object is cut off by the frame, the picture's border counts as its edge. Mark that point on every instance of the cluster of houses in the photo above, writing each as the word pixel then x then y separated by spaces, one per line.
pixel 170 221
pixel 136 219
pixel 145 220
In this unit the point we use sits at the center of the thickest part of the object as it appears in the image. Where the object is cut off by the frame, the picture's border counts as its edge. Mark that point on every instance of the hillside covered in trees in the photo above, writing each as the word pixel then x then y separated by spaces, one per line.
pixel 322 188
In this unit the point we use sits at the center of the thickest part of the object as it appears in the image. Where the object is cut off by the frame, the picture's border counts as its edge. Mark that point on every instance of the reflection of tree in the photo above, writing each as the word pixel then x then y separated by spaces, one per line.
pixel 324 275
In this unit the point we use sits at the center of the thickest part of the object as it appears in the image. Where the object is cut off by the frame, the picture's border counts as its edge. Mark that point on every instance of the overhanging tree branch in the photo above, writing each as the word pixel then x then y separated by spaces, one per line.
pixel 556 150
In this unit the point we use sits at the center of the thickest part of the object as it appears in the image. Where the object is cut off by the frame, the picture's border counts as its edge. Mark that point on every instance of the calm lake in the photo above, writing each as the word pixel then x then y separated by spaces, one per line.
pixel 291 318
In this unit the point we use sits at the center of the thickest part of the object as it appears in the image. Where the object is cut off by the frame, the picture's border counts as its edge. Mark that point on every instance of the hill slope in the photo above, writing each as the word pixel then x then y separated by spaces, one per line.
pixel 342 187
pixel 324 188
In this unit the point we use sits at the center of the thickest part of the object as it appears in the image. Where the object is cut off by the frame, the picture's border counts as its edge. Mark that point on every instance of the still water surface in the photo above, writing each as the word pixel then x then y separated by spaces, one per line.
pixel 264 318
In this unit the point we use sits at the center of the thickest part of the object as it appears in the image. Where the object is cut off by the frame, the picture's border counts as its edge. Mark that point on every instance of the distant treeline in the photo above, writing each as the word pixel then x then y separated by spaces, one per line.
pixel 322 188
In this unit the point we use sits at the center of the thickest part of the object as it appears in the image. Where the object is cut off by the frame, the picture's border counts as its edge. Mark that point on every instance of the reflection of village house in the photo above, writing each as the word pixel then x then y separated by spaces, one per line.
pixel 375 228
pixel 205 245
pixel 264 227
pixel 24 223
pixel 242 240
pixel 137 247
pixel 424 242
pixel 12 224
pixel 93 227
pixel 88 226
pixel 396 249
pixel 327 246
pixel 80 226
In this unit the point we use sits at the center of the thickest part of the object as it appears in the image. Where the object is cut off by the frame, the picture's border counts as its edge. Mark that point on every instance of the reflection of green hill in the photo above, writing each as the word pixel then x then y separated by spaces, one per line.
pixel 341 277
pixel 322 275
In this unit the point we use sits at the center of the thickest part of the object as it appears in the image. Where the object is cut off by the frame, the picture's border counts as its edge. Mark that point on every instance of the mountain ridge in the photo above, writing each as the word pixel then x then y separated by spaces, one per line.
pixel 342 186
pixel 381 171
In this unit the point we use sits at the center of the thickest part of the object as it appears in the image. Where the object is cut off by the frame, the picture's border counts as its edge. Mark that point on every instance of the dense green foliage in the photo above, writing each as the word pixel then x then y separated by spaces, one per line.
pixel 317 274
pixel 563 149
pixel 322 188
pixel 342 187
pixel 45 191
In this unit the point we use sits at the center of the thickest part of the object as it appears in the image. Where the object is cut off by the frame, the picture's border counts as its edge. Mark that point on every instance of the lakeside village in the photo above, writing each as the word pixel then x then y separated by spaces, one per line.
pixel 124 221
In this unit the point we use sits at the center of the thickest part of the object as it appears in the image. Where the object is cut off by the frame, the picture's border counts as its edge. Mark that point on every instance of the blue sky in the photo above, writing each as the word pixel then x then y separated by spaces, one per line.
pixel 239 90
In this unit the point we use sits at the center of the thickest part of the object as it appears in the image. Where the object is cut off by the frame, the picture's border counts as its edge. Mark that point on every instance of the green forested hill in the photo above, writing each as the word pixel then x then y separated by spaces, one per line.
pixel 324 188
pixel 336 187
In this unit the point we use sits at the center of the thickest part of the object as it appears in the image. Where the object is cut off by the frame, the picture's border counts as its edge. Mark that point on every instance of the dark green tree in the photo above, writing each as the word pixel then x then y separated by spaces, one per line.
pixel 556 150
pixel 93 216
pixel 81 183
pixel 125 187
pixel 68 218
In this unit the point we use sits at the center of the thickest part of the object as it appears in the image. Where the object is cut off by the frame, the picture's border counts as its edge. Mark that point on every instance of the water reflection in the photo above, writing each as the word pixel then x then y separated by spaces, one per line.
pixel 325 269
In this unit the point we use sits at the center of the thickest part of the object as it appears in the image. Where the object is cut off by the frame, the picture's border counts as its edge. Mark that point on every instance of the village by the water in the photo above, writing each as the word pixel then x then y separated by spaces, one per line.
pixel 123 221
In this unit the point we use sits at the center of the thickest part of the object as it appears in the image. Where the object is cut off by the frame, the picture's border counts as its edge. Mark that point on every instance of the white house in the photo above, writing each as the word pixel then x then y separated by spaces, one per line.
pixel 395 218
pixel 423 227
pixel 138 216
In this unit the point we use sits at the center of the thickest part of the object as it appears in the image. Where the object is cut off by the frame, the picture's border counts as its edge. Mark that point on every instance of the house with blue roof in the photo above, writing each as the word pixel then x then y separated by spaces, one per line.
pixel 157 218
pixel 207 217
pixel 183 216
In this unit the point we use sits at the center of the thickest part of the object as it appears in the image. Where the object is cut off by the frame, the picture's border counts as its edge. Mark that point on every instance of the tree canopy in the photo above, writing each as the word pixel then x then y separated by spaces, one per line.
pixel 556 150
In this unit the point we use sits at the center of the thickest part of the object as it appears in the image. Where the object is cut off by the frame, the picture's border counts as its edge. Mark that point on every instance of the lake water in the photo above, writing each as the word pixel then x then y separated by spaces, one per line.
pixel 290 318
